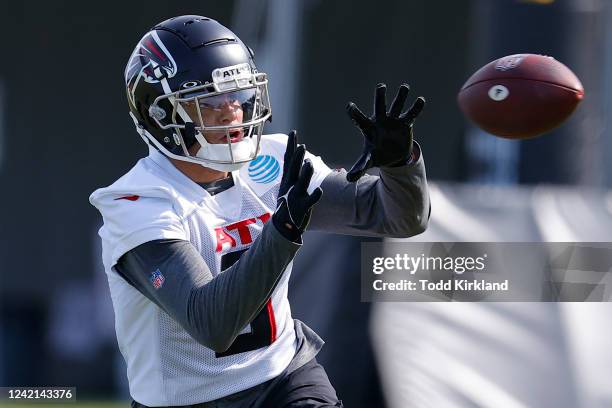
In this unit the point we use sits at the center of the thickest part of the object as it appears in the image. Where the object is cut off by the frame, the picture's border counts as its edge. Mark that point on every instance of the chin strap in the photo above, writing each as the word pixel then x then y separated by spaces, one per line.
pixel 189 137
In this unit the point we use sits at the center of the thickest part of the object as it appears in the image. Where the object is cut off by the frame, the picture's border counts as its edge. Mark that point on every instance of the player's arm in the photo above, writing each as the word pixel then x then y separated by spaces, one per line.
pixel 394 204
pixel 213 310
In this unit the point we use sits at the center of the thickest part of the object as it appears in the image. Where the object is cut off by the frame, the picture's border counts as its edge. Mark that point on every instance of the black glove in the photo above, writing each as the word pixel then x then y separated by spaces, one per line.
pixel 294 204
pixel 388 135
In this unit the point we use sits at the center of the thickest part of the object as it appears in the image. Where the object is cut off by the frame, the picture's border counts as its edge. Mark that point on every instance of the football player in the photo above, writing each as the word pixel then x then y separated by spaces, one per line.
pixel 199 236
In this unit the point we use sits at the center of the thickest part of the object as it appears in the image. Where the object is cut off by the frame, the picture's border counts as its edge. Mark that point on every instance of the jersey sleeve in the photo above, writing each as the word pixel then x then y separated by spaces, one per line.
pixel 394 204
pixel 173 275
pixel 131 220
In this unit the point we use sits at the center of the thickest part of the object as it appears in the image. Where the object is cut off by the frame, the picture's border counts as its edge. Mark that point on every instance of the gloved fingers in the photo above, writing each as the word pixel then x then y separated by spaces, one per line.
pixel 296 164
pixel 357 116
pixel 360 167
pixel 288 160
pixel 414 111
pixel 305 176
pixel 291 145
pixel 314 197
pixel 380 101
pixel 398 103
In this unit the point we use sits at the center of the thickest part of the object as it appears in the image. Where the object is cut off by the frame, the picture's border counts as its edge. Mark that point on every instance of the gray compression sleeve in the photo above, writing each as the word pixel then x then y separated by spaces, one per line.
pixel 396 204
pixel 212 310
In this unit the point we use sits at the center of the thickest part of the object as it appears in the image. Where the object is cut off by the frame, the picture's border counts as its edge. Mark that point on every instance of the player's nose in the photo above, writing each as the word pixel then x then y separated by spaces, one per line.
pixel 228 112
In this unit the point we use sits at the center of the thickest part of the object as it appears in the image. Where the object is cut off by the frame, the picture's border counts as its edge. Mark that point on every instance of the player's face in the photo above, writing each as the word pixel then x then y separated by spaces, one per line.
pixel 222 110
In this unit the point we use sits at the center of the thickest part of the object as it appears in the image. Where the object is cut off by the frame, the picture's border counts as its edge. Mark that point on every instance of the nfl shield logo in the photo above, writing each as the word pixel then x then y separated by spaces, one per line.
pixel 157 279
pixel 509 62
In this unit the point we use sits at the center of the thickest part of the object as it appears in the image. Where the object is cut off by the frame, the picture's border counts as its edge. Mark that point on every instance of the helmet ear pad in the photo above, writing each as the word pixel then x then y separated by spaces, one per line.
pixel 188 135
pixel 166 137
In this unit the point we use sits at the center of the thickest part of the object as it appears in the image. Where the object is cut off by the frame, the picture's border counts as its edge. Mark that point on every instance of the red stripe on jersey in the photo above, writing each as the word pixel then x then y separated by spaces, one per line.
pixel 265 217
pixel 130 198
pixel 272 321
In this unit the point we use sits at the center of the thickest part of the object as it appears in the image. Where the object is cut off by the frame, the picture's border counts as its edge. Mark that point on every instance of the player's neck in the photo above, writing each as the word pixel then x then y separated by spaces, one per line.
pixel 198 173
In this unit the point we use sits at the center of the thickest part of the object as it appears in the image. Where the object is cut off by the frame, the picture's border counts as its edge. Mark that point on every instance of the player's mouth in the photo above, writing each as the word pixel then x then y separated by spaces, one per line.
pixel 236 135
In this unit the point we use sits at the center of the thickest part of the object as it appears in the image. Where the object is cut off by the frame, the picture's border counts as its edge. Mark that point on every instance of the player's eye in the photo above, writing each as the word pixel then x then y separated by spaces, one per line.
pixel 208 106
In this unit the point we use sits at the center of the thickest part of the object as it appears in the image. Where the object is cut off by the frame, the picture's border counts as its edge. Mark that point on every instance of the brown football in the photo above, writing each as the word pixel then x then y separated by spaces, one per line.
pixel 520 96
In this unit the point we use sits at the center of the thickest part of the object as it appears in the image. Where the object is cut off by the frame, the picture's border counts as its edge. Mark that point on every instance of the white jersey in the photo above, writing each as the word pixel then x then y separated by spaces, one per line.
pixel 154 200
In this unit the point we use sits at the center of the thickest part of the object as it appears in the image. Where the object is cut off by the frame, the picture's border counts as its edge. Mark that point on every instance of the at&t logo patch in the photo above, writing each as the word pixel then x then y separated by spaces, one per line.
pixel 264 169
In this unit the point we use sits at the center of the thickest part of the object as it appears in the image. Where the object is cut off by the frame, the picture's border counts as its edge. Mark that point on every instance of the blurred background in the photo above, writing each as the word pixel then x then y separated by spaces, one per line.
pixel 65 131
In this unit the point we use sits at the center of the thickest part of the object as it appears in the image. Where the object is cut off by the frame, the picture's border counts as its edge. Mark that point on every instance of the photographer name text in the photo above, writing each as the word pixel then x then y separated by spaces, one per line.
pixel 441 285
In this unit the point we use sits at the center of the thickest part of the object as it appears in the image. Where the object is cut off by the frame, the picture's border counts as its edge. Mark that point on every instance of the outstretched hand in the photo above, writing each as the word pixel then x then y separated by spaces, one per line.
pixel 294 204
pixel 387 134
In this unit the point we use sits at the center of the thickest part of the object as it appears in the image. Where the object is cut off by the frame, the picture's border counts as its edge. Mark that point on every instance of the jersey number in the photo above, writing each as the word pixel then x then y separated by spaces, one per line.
pixel 263 326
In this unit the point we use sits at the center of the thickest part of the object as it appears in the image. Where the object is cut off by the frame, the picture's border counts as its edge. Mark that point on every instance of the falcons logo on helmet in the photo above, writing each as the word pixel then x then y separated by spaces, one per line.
pixel 151 61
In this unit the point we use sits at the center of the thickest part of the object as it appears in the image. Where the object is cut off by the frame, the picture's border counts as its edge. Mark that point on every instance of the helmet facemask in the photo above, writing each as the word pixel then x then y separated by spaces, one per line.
pixel 219 124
